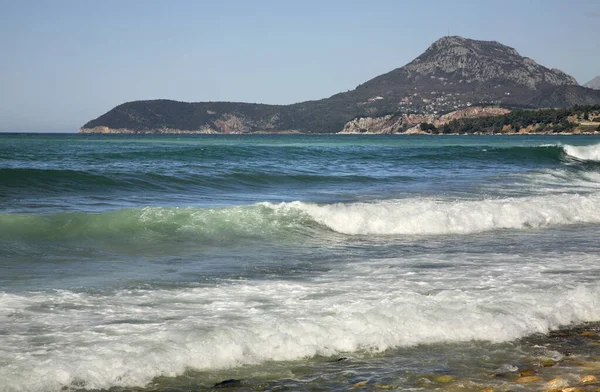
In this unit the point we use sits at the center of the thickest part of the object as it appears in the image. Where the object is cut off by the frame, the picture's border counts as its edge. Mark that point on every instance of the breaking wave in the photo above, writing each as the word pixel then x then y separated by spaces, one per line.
pixel 583 153
pixel 412 216
pixel 71 340
pixel 425 217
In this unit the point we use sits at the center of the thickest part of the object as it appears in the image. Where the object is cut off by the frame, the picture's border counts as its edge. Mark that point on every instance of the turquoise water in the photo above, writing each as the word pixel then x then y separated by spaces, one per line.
pixel 173 263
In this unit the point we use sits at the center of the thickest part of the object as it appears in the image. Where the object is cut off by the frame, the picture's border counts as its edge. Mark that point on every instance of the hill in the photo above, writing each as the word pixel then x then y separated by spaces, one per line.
pixel 454 73
pixel 594 83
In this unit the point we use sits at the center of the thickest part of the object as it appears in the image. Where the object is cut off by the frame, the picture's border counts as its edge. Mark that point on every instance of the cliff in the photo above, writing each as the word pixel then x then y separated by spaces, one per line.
pixel 391 124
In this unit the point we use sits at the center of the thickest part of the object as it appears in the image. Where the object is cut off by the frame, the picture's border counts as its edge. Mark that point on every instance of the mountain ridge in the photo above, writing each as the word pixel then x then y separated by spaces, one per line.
pixel 452 74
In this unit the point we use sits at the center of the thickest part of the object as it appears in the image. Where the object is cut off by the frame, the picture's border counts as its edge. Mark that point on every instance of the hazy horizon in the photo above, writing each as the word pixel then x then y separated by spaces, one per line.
pixel 69 62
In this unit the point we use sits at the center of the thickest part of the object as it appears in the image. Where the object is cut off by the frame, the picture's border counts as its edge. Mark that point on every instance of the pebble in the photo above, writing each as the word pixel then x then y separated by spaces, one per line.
pixel 526 372
pixel 526 379
pixel 557 383
pixel 547 362
pixel 588 379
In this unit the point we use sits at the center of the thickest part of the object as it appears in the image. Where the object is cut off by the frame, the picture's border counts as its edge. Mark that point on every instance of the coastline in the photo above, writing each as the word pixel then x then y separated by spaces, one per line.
pixel 563 360
pixel 124 131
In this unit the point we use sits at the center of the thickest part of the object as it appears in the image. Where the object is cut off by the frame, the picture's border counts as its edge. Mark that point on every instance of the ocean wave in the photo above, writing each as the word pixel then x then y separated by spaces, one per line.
pixel 18 182
pixel 124 339
pixel 156 224
pixel 419 216
pixel 411 216
pixel 111 173
pixel 543 153
pixel 583 153
pixel 548 153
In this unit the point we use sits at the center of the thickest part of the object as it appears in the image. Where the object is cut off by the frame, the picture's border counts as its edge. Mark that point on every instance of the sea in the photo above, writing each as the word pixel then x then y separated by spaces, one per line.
pixel 292 262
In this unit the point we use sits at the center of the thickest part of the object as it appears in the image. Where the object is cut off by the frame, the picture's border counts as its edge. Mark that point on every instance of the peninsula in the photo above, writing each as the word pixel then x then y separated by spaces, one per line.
pixel 454 79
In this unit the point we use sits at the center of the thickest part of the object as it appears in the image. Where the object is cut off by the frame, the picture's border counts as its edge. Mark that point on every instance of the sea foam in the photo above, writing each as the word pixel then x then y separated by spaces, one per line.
pixel 421 216
pixel 126 338
pixel 584 153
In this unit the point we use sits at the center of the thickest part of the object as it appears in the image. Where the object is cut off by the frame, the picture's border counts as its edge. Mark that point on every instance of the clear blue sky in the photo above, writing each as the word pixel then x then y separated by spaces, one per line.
pixel 65 62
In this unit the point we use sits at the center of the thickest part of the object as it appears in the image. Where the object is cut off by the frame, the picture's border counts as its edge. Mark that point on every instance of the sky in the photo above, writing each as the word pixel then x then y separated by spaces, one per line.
pixel 65 62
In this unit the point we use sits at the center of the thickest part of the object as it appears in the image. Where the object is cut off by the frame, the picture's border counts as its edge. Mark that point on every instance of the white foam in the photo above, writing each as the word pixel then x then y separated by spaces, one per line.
pixel 51 340
pixel 583 153
pixel 428 216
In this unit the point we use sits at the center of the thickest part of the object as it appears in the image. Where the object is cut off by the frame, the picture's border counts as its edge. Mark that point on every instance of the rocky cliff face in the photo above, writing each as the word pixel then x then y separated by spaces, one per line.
pixel 472 112
pixel 454 73
pixel 381 125
pixel 408 123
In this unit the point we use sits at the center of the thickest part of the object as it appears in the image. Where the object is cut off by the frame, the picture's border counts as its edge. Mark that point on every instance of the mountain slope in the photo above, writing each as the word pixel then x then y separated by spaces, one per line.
pixel 594 83
pixel 453 73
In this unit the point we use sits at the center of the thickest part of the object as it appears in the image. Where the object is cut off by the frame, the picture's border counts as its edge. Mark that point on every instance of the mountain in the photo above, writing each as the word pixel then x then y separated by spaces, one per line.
pixel 452 74
pixel 594 83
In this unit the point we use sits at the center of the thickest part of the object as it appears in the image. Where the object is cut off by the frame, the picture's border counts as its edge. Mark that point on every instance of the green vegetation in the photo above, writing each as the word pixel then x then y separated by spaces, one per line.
pixel 428 127
pixel 543 120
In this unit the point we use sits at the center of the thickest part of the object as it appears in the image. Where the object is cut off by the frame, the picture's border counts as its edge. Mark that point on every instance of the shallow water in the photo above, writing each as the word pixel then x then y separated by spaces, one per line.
pixel 174 263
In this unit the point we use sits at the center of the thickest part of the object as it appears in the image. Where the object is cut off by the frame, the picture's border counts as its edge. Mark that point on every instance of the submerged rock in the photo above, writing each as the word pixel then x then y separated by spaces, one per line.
pixel 589 334
pixel 547 362
pixel 557 383
pixel 528 379
pixel 588 379
pixel 443 378
pixel 232 382
pixel 526 372
pixel 571 389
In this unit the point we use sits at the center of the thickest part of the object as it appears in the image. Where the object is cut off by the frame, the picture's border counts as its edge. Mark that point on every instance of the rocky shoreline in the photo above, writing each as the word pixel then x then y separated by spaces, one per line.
pixel 569 361
pixel 410 132
pixel 565 360
pixel 584 123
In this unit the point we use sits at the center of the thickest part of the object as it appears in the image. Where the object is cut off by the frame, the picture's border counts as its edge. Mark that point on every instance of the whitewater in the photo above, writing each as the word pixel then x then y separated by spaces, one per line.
pixel 290 262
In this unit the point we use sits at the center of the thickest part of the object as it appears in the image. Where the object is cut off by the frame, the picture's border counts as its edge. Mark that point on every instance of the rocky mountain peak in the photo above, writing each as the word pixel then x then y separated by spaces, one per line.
pixel 594 83
pixel 457 44
pixel 465 60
